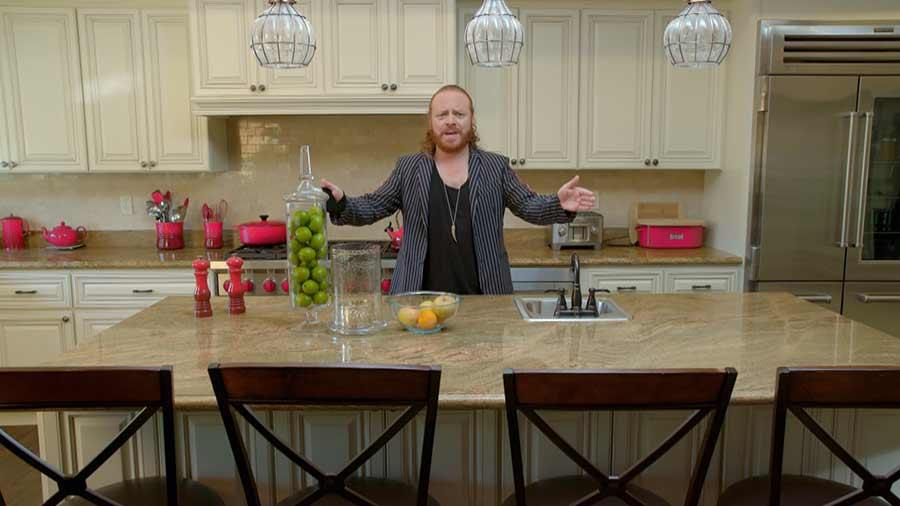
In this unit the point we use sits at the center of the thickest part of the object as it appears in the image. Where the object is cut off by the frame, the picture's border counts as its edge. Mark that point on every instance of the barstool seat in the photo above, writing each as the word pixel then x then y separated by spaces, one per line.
pixel 377 490
pixel 566 490
pixel 152 492
pixel 794 490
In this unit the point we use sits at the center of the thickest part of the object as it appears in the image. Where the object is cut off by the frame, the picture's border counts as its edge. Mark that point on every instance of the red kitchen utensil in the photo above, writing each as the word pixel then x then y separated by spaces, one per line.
pixel 263 232
pixel 63 235
pixel 157 197
pixel 15 230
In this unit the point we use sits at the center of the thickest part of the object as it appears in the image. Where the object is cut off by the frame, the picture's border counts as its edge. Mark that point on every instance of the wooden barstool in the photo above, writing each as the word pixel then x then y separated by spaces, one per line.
pixel 238 386
pixel 62 388
pixel 705 390
pixel 831 387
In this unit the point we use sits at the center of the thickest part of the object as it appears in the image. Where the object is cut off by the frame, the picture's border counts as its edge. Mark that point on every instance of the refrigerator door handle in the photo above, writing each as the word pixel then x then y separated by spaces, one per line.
pixel 822 298
pixel 843 240
pixel 866 298
pixel 864 181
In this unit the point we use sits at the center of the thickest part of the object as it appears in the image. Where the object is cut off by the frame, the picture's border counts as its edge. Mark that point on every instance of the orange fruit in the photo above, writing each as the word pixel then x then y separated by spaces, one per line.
pixel 427 319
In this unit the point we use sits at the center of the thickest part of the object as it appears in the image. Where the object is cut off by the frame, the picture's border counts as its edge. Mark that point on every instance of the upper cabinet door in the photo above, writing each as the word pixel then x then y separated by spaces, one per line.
pixel 178 139
pixel 223 61
pixel 421 58
pixel 688 111
pixel 616 89
pixel 304 81
pixel 40 69
pixel 357 48
pixel 112 70
pixel 548 89
pixel 495 95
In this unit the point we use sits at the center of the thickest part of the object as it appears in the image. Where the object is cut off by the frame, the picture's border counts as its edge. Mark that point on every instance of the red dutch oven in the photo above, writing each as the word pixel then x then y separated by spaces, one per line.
pixel 262 232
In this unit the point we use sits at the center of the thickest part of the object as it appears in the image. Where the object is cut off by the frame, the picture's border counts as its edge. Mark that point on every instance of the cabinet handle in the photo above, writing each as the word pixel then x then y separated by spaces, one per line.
pixel 701 287
pixel 262 87
pixel 384 86
pixel 152 163
pixel 513 162
pixel 821 299
pixel 626 288
pixel 25 292
pixel 647 162
pixel 65 319
pixel 866 298
pixel 521 161
pixel 13 165
pixel 655 162
pixel 149 290
pixel 144 164
pixel 4 164
pixel 393 86
pixel 252 87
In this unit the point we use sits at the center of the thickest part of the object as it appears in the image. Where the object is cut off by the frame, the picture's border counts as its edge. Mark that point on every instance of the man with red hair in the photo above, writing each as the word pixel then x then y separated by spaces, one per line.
pixel 453 197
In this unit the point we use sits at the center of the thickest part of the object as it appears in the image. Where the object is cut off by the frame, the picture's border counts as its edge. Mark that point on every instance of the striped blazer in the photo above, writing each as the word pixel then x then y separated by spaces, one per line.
pixel 493 187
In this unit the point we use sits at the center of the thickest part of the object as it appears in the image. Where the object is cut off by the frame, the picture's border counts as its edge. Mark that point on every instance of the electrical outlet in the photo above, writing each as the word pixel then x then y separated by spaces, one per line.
pixel 126 205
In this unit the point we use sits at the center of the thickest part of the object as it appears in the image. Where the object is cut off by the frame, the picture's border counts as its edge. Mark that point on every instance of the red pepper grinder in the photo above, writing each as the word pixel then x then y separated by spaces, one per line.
pixel 236 287
pixel 202 307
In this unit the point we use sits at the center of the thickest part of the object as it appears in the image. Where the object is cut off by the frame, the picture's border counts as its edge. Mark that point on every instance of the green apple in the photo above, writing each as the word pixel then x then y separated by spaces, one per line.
pixel 293 258
pixel 316 223
pixel 319 273
pixel 303 235
pixel 307 254
pixel 303 300
pixel 317 240
pixel 301 274
pixel 323 252
pixel 320 297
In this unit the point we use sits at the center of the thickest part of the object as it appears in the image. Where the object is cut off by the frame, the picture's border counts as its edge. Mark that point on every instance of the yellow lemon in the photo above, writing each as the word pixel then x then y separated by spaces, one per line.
pixel 426 304
pixel 408 316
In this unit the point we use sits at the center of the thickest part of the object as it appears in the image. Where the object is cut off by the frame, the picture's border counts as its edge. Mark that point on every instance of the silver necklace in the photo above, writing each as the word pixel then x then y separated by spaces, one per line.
pixel 453 209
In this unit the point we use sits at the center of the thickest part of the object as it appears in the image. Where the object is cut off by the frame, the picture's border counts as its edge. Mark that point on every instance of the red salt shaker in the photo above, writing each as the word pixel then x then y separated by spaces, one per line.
pixel 236 287
pixel 202 307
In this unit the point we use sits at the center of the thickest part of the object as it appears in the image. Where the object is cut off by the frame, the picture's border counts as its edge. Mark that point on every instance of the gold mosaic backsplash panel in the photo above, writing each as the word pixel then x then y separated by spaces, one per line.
pixel 355 152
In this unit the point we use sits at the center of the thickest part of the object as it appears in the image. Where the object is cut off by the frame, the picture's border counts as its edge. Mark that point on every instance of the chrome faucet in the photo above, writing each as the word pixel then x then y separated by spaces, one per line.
pixel 576 282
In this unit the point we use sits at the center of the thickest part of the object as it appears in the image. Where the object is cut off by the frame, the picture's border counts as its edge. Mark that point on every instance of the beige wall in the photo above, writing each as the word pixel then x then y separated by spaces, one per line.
pixel 356 152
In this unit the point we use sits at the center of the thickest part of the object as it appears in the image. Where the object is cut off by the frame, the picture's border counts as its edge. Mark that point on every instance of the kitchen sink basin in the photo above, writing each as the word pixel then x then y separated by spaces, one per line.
pixel 541 309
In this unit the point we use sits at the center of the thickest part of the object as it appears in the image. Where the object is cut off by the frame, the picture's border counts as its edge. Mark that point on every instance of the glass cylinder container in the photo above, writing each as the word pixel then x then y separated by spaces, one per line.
pixel 307 243
pixel 356 269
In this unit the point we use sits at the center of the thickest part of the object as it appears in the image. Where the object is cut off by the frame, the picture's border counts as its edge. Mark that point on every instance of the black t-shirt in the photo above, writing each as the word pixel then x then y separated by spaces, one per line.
pixel 450 266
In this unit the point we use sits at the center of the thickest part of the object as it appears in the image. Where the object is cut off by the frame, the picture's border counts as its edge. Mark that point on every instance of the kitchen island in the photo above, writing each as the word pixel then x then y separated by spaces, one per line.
pixel 755 333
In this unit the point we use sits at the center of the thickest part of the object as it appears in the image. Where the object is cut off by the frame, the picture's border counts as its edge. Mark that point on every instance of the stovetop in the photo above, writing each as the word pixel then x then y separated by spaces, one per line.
pixel 279 251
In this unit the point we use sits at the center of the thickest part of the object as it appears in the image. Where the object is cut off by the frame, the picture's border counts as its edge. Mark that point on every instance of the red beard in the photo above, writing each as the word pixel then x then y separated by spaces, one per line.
pixel 454 144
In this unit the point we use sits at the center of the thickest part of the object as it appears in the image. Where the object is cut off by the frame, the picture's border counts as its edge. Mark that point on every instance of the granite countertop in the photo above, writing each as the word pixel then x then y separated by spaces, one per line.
pixel 753 332
pixel 526 248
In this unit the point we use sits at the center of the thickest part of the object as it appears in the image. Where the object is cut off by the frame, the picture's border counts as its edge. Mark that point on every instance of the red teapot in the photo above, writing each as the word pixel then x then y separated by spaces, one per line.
pixel 64 235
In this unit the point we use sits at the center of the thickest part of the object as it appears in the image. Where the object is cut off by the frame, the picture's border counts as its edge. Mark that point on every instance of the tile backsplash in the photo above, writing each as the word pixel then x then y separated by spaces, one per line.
pixel 355 152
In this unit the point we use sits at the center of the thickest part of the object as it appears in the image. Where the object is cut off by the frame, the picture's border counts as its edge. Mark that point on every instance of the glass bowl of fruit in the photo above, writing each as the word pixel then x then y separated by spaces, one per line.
pixel 424 312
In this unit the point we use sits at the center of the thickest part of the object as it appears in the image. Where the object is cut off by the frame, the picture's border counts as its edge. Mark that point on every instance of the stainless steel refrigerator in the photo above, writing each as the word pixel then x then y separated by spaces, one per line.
pixel 825 217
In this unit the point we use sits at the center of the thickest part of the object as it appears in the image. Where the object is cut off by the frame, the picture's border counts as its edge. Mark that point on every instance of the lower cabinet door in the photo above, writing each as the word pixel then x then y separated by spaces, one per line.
pixel 90 322
pixel 875 304
pixel 29 338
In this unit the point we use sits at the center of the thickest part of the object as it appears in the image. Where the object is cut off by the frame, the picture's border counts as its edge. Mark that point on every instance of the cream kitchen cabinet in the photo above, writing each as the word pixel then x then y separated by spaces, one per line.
pixel 226 66
pixel 638 110
pixel 40 86
pixel 28 338
pixel 529 112
pixel 372 56
pixel 90 322
pixel 657 279
pixel 137 78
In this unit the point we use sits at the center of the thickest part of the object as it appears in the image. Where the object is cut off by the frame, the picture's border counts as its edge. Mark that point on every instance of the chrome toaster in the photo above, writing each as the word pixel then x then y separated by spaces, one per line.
pixel 585 231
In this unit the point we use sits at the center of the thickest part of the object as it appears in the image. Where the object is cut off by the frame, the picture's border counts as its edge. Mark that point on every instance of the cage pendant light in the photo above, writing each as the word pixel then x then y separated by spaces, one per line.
pixel 494 37
pixel 282 37
pixel 700 36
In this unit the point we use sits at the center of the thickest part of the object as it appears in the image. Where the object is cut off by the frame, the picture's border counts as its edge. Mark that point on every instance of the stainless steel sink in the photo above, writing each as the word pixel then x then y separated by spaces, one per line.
pixel 541 309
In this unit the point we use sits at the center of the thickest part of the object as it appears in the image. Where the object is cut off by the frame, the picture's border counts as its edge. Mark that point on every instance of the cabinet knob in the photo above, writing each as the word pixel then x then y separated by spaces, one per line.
pixel 384 86
pixel 655 162
pixel 513 162
pixel 152 163
pixel 647 162
pixel 65 319
pixel 144 164
pixel 393 86
pixel 521 161
pixel 4 164
pixel 13 165
pixel 252 87
pixel 262 87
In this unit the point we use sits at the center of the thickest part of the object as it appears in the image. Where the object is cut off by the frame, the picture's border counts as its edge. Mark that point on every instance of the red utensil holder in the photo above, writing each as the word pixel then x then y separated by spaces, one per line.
pixel 170 235
pixel 213 233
